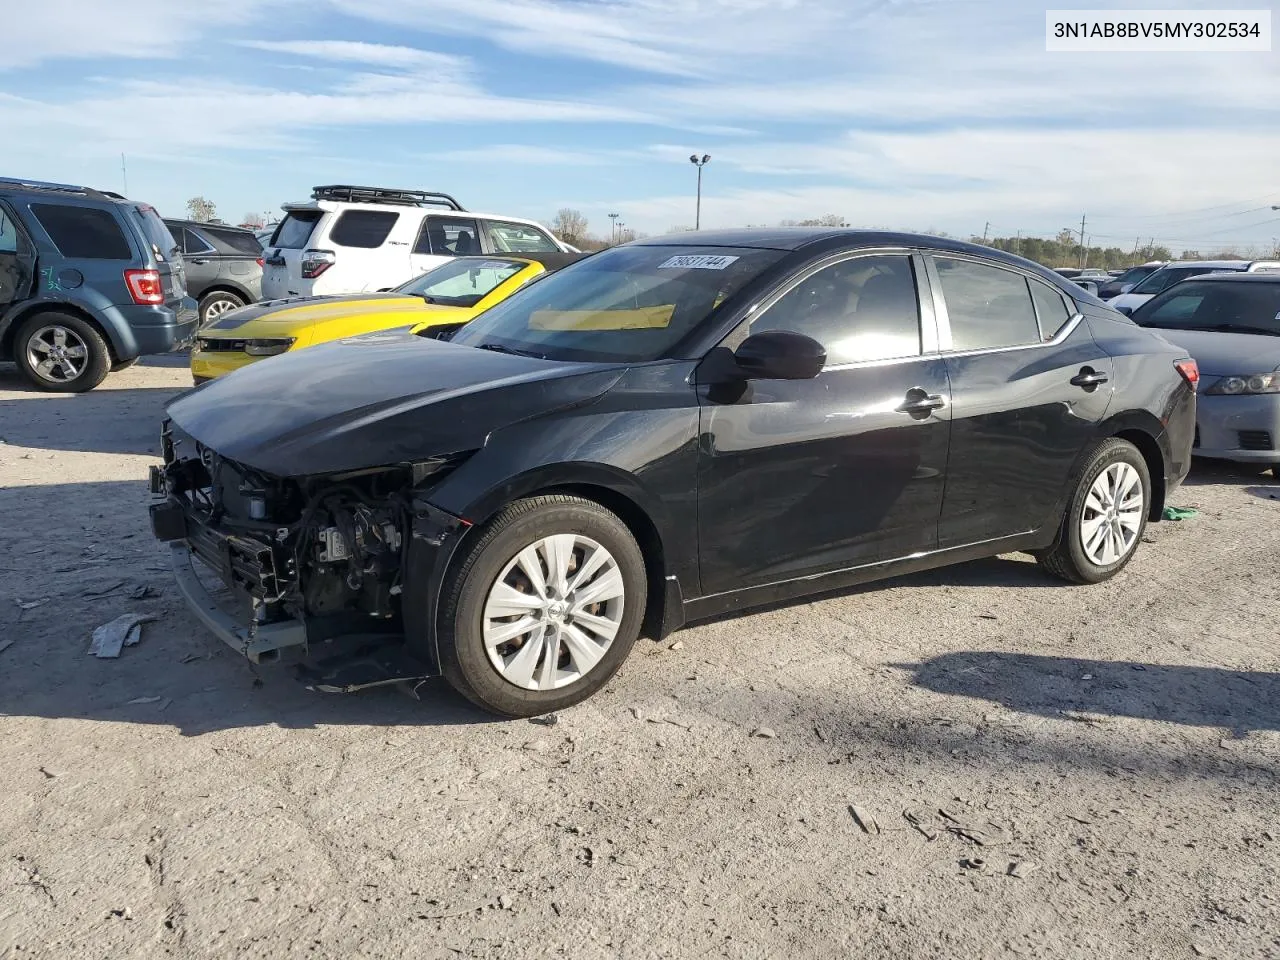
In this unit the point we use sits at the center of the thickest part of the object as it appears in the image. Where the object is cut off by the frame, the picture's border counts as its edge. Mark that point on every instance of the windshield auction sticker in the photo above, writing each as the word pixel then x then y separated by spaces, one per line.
pixel 1167 31
pixel 696 262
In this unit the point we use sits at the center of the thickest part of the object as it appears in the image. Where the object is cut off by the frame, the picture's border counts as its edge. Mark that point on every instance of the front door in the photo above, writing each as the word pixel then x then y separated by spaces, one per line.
pixel 1029 387
pixel 443 237
pixel 806 476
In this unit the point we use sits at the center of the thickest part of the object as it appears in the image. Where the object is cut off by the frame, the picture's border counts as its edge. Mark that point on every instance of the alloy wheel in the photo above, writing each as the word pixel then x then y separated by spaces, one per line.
pixel 57 354
pixel 217 308
pixel 553 612
pixel 1112 515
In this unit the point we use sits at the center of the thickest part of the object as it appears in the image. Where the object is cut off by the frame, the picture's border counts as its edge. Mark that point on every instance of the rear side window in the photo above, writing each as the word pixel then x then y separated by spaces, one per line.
pixel 1051 308
pixel 295 229
pixel 192 243
pixel 366 229
pixel 85 233
pixel 235 241
pixel 518 238
pixel 11 241
pixel 989 307
pixel 448 237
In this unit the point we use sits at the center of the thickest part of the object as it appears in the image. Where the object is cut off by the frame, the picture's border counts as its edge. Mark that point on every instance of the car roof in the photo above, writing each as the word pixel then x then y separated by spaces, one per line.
pixel 800 238
pixel 334 206
pixel 203 223
pixel 1214 264
pixel 1234 277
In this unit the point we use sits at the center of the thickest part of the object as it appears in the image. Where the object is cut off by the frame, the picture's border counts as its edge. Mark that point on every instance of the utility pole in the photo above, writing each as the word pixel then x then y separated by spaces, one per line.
pixel 1082 253
pixel 613 227
pixel 1136 241
pixel 1017 244
pixel 699 163
pixel 986 230
pixel 124 175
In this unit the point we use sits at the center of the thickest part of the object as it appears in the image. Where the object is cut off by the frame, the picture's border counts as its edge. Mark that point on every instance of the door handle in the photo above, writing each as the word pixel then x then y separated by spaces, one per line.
pixel 1089 379
pixel 920 403
pixel 198 260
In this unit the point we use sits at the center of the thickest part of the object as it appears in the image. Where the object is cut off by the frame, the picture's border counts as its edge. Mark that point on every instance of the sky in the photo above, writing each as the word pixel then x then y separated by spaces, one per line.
pixel 929 115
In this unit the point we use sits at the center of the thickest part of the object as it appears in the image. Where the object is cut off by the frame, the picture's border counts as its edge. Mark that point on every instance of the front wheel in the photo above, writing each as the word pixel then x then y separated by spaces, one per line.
pixel 543 606
pixel 1106 517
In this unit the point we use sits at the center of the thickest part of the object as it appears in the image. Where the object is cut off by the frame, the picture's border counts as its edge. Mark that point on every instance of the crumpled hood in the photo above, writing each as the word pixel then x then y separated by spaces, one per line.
pixel 1226 354
pixel 376 400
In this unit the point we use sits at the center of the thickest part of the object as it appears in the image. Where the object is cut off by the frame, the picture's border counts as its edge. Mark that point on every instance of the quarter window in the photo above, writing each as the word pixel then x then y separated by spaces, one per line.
pixel 448 237
pixel 84 233
pixel 366 229
pixel 861 309
pixel 1051 308
pixel 9 241
pixel 989 307
pixel 518 238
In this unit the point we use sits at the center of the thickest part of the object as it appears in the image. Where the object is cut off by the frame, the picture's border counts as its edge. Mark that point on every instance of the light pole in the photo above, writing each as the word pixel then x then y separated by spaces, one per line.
pixel 613 229
pixel 699 163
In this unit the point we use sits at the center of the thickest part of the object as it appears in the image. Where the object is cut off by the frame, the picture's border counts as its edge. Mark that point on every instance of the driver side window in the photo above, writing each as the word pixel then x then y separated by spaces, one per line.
pixel 864 308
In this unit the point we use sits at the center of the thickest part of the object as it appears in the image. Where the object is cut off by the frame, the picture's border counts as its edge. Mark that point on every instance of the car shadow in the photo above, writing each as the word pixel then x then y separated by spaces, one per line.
pixel 102 421
pixel 1238 700
pixel 1206 472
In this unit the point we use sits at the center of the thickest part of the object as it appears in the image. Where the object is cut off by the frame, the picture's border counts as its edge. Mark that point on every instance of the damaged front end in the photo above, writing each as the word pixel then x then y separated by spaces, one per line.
pixel 315 568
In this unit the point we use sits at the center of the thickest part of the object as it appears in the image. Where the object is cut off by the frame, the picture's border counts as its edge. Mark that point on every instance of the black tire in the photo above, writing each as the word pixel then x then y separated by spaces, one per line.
pixel 218 301
pixel 97 355
pixel 1066 557
pixel 123 365
pixel 463 658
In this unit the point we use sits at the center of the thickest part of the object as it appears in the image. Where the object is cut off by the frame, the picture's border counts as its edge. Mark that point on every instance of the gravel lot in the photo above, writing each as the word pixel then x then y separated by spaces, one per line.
pixel 1119 743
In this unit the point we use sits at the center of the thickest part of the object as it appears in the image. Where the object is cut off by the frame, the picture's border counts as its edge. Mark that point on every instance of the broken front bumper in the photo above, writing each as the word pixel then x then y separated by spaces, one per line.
pixel 255 641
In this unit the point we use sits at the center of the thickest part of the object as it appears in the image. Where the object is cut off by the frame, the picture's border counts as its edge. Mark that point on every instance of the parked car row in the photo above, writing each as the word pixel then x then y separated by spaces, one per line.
pixel 659 432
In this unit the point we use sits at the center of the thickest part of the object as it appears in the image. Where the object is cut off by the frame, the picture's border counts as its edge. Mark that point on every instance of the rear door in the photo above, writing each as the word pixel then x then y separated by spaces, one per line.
pixel 198 257
pixel 239 259
pixel 441 238
pixel 282 265
pixel 17 260
pixel 1029 386
pixel 509 237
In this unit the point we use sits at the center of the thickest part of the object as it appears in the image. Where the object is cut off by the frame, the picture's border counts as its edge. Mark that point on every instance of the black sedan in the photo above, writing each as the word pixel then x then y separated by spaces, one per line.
pixel 668 430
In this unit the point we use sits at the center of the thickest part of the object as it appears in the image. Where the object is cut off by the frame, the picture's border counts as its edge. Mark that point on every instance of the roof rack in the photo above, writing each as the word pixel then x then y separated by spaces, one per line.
pixel 340 191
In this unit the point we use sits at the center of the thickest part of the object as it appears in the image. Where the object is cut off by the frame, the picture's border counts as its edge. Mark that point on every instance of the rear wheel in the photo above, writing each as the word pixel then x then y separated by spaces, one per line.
pixel 543 607
pixel 215 304
pixel 61 353
pixel 1106 517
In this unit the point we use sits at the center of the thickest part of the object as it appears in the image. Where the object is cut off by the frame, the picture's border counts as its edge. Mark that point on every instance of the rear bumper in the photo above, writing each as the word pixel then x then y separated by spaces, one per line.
pixel 143 330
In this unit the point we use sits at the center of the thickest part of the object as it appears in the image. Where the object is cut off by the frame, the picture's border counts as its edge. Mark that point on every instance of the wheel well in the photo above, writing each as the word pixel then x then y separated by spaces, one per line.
pixel 224 288
pixel 1150 451
pixel 11 332
pixel 646 534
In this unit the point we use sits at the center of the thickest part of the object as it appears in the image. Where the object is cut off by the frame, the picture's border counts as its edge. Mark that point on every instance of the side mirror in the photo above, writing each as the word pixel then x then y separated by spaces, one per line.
pixel 1127 311
pixel 780 355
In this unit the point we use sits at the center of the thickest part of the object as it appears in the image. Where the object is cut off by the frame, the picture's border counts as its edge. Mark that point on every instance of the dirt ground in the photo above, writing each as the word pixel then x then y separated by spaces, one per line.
pixel 1092 771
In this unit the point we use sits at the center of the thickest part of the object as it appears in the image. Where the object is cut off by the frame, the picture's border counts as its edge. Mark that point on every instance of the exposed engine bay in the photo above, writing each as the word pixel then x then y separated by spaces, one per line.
pixel 329 552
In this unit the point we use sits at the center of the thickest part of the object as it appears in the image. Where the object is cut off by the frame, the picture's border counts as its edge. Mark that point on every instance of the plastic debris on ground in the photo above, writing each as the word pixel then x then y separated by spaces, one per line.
pixel 1180 513
pixel 124 631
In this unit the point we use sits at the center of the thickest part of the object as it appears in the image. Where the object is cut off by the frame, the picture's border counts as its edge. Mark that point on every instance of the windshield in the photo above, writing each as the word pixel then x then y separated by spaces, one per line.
pixel 1217 306
pixel 463 282
pixel 1166 277
pixel 626 304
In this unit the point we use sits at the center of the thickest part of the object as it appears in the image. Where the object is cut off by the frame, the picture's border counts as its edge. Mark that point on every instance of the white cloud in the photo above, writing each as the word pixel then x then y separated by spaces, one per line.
pixel 379 54
pixel 127 29
pixel 521 154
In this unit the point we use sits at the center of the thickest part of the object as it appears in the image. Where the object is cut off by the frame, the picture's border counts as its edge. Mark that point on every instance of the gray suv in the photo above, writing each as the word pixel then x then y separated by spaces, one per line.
pixel 89 282
pixel 224 265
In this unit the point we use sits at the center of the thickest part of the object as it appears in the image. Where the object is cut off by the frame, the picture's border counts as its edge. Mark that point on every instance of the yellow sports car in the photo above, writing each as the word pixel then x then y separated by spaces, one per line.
pixel 446 297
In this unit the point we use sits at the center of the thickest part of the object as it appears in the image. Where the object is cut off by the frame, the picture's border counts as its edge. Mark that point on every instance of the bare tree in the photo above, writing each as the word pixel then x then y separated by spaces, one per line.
pixel 253 221
pixel 201 209
pixel 570 226
pixel 680 228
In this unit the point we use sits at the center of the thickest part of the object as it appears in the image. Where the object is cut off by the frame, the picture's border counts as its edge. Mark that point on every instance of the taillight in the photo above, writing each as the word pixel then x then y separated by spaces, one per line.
pixel 1190 371
pixel 144 286
pixel 260 262
pixel 316 262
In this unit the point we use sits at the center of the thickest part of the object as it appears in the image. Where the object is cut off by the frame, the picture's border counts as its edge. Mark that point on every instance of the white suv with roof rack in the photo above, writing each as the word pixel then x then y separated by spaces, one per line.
pixel 348 239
